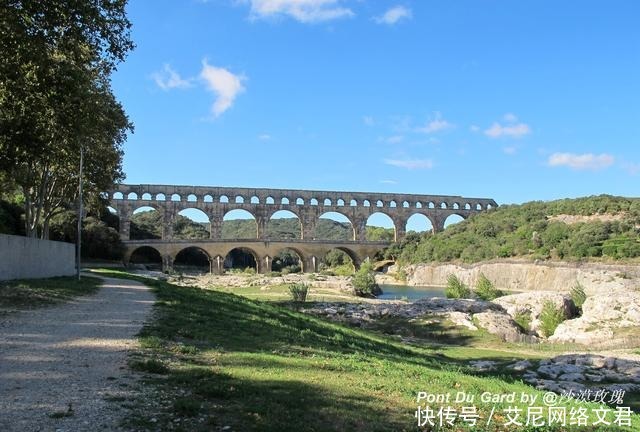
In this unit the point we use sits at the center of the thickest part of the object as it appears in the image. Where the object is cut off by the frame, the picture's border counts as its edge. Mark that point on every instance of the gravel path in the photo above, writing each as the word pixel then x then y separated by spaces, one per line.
pixel 71 356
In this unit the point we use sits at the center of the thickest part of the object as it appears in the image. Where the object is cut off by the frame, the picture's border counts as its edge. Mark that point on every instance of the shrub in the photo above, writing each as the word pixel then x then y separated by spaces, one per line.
pixel 523 319
pixel 577 295
pixel 550 317
pixel 299 291
pixel 364 280
pixel 485 289
pixel 455 288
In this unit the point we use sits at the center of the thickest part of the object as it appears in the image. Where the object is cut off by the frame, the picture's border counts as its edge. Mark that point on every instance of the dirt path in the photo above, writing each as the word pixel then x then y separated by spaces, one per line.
pixel 71 356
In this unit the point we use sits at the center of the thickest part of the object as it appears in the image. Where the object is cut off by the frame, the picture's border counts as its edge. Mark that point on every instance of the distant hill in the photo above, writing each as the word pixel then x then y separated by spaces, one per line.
pixel 148 225
pixel 593 227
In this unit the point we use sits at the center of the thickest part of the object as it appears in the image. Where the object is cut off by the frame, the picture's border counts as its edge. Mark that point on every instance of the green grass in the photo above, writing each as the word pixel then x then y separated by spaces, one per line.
pixel 31 293
pixel 257 366
pixel 279 293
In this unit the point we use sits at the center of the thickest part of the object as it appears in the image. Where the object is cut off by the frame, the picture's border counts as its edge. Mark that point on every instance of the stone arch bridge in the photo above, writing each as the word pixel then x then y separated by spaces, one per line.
pixel 262 203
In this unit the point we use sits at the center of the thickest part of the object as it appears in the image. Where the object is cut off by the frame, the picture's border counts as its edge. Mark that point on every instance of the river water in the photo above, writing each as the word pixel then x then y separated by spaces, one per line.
pixel 398 292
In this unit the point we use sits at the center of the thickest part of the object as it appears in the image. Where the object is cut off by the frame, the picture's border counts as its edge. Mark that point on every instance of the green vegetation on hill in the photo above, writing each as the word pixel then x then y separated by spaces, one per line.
pixel 536 230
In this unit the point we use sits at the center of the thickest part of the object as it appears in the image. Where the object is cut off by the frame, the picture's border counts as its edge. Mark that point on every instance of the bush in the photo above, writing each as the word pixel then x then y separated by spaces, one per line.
pixel 455 288
pixel 550 317
pixel 523 319
pixel 577 295
pixel 299 291
pixel 485 289
pixel 364 280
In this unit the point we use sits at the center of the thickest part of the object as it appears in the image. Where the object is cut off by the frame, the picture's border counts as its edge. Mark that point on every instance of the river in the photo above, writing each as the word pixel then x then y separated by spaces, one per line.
pixel 398 292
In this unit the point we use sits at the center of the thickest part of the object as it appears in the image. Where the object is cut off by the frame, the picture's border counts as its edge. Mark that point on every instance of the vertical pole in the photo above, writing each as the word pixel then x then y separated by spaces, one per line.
pixel 79 233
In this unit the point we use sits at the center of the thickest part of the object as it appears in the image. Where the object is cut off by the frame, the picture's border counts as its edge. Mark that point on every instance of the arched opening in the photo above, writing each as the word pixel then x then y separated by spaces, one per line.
pixel 146 224
pixel 443 205
pixel 489 206
pixel 241 260
pixel 418 204
pixel 478 206
pixel 146 196
pixel 255 200
pixel 467 206
pixel 132 196
pixel 380 227
pixel 313 202
pixel 353 203
pixel 224 199
pixel 379 203
pixel 366 203
pixel 208 198
pixel 284 225
pixel 327 202
pixel 118 196
pixel 287 261
pixel 239 199
pixel 337 262
pixel 192 198
pixel 405 204
pixel 299 201
pixel 284 201
pixel 161 197
pixel 146 257
pixel 392 204
pixel 419 223
pixel 452 220
pixel 192 260
pixel 270 200
pixel 455 206
pixel 191 223
pixel 431 205
pixel 334 226
pixel 239 224
pixel 340 203
pixel 175 197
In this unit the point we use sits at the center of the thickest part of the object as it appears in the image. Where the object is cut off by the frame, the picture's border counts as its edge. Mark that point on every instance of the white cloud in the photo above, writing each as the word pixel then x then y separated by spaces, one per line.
pixel 474 128
pixel 393 15
pixel 395 139
pixel 264 137
pixel 511 150
pixel 368 120
pixel 305 11
pixel 632 168
pixel 410 164
pixel 388 182
pixel 516 130
pixel 168 79
pixel 435 125
pixel 510 118
pixel 586 161
pixel 224 84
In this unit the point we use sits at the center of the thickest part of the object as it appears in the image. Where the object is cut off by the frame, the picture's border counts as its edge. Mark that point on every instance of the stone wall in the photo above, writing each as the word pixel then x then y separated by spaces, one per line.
pixel 27 258
pixel 528 276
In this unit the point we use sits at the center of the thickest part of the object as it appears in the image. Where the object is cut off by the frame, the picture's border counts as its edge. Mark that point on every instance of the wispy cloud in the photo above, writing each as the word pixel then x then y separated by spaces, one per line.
pixel 368 120
pixel 224 84
pixel 435 125
pixel 510 150
pixel 395 139
pixel 511 129
pixel 264 137
pixel 304 11
pixel 632 168
pixel 388 182
pixel 168 79
pixel 586 161
pixel 410 164
pixel 393 15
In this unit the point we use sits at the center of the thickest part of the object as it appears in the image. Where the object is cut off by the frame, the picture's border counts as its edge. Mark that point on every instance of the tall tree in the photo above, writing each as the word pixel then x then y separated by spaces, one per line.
pixel 56 98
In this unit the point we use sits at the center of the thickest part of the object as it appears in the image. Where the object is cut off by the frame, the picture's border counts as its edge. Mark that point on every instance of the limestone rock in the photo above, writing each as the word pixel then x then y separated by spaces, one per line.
pixel 499 323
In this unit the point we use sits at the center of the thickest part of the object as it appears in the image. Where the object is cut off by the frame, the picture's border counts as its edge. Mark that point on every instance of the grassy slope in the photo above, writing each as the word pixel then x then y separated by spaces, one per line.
pixel 30 293
pixel 229 361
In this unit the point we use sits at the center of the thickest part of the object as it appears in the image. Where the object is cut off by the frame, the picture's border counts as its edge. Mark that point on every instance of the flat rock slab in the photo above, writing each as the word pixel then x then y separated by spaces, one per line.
pixel 59 366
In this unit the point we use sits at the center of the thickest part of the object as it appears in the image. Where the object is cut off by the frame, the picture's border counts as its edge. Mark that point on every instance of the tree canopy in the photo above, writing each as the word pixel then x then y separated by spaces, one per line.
pixel 56 98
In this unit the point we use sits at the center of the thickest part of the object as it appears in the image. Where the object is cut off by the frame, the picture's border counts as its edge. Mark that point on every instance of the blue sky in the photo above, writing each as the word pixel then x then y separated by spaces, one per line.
pixel 513 100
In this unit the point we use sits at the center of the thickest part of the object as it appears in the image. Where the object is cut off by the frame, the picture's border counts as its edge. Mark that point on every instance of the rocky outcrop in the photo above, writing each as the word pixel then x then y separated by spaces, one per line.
pixel 606 320
pixel 499 324
pixel 531 303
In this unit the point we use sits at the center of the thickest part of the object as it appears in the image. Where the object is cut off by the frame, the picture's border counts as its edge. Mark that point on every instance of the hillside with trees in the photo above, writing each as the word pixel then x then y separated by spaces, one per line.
pixel 598 227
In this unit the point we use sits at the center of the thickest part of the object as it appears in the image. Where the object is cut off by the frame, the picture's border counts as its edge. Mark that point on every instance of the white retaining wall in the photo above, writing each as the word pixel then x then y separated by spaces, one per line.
pixel 27 258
